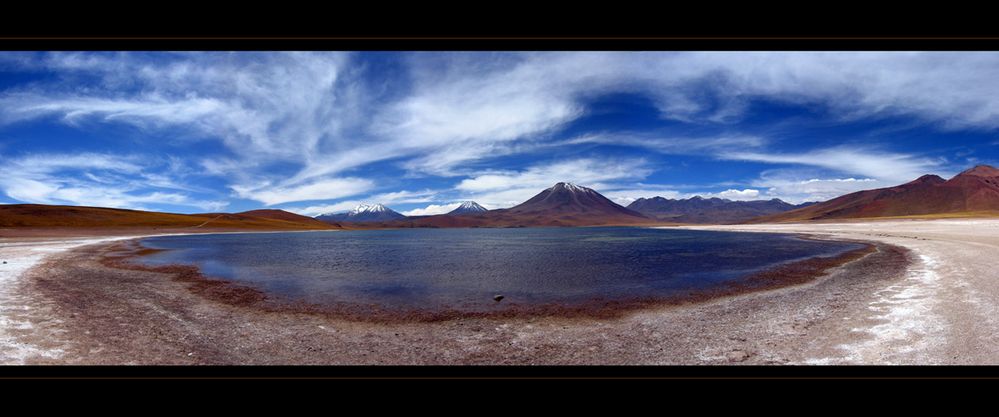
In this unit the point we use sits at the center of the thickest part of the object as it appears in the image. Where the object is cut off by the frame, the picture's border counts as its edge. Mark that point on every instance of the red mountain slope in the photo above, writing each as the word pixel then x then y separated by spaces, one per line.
pixel 285 216
pixel 974 190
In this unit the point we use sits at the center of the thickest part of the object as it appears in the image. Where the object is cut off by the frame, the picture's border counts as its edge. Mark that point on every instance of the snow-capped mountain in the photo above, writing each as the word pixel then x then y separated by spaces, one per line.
pixel 468 207
pixel 363 213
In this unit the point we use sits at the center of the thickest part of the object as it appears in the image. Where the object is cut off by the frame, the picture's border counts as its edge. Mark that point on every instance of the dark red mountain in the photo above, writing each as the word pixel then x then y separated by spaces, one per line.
pixel 974 190
pixel 565 200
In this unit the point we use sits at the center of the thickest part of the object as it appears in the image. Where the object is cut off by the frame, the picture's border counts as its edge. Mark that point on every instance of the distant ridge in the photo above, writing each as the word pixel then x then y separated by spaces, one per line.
pixel 709 210
pixel 974 190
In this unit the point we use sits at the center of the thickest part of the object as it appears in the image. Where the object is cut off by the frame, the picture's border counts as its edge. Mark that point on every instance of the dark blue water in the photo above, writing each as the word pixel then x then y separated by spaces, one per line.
pixel 465 268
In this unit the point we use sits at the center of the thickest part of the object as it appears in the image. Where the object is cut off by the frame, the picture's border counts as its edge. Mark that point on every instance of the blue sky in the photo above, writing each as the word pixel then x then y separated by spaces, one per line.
pixel 321 132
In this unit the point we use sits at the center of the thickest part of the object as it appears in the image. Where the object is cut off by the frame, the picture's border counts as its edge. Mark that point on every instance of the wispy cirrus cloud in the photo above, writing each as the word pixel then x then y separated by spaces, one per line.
pixel 95 180
pixel 867 161
pixel 326 189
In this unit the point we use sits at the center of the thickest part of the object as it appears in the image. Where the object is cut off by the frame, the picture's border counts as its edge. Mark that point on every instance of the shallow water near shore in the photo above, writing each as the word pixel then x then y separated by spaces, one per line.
pixel 464 269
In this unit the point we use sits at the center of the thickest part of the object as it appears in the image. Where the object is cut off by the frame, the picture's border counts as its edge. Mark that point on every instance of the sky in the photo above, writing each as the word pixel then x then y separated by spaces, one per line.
pixel 321 132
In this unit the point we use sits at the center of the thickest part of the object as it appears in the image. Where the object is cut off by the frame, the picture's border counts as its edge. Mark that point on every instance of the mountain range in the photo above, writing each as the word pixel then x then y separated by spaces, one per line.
pixel 563 204
pixel 709 210
pixel 970 193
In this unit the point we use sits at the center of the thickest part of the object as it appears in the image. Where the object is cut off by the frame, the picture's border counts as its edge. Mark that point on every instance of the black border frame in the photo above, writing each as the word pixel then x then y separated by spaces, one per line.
pixel 146 41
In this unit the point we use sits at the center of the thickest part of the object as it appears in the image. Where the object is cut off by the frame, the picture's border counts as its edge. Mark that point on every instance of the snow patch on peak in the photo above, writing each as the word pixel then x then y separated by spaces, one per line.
pixel 572 187
pixel 471 205
pixel 369 208
pixel 468 207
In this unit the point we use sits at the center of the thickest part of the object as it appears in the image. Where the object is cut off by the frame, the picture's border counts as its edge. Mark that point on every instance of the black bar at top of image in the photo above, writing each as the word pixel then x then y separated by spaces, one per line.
pixel 493 43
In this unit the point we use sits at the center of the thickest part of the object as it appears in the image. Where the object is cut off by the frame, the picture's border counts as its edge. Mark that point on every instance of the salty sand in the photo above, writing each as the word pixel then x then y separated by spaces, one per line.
pixel 72 309
pixel 943 312
pixel 19 312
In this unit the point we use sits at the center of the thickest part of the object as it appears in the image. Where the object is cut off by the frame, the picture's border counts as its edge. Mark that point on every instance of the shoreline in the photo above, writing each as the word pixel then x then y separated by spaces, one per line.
pixel 19 257
pixel 24 250
pixel 112 316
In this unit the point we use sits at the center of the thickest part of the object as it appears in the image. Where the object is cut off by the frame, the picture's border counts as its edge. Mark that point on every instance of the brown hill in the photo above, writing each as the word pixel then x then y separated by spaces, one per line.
pixel 45 216
pixel 563 204
pixel 286 216
pixel 974 190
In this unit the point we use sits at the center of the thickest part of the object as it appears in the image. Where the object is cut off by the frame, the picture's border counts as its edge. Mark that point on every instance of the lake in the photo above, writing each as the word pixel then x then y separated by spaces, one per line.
pixel 465 268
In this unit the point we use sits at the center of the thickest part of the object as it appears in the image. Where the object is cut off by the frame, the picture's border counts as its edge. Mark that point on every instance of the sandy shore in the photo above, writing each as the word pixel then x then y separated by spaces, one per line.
pixel 80 311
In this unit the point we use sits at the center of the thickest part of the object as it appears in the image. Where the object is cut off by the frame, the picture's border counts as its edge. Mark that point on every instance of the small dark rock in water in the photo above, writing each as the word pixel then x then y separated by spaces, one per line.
pixel 498 298
pixel 5 262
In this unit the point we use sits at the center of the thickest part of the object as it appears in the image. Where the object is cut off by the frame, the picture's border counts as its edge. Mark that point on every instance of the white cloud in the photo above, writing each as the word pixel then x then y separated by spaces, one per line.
pixel 747 194
pixel 432 209
pixel 92 180
pixel 327 189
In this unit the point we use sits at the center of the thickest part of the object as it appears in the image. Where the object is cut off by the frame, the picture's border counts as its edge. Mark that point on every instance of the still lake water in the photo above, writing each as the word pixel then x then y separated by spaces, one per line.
pixel 465 268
